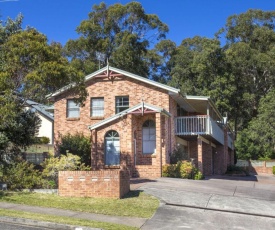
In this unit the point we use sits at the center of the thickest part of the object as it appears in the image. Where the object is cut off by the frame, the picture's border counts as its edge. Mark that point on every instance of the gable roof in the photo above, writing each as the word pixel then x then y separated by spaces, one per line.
pixel 119 71
pixel 40 108
pixel 141 106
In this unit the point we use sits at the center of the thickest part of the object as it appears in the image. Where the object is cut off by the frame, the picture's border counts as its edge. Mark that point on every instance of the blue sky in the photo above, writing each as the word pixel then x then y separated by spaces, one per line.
pixel 58 19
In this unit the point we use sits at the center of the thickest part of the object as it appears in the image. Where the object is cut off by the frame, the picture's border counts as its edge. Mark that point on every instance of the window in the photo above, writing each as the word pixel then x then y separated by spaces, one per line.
pixel 72 108
pixel 122 103
pixel 149 137
pixel 97 107
pixel 112 148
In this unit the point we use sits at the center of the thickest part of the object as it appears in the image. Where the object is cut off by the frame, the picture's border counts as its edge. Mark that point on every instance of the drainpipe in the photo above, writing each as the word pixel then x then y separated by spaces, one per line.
pixel 208 119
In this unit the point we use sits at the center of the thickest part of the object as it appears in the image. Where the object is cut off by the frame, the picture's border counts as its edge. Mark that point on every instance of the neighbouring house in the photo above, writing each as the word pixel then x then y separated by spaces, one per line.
pixel 138 123
pixel 44 112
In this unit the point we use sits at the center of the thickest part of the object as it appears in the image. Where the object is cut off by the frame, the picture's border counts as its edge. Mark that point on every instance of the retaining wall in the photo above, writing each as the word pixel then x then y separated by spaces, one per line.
pixel 256 166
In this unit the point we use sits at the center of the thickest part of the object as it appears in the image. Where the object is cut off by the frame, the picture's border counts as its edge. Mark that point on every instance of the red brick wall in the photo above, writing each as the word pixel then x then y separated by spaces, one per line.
pixel 108 89
pixel 147 171
pixel 103 183
pixel 207 159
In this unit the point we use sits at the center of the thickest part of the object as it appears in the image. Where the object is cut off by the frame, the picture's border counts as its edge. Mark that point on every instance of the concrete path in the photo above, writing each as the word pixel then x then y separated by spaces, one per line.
pixel 129 221
pixel 221 197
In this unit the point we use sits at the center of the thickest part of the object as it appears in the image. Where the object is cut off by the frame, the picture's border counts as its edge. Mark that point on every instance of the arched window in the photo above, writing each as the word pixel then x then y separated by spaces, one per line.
pixel 112 148
pixel 149 137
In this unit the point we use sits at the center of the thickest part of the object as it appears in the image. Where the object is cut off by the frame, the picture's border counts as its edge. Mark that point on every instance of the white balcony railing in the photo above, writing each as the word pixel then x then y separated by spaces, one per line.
pixel 199 125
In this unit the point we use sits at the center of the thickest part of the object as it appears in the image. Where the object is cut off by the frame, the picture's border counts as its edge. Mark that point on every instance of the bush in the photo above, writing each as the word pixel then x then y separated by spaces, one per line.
pixel 183 169
pixel 78 145
pixel 21 175
pixel 53 165
pixel 233 169
pixel 42 140
pixel 179 154
pixel 273 170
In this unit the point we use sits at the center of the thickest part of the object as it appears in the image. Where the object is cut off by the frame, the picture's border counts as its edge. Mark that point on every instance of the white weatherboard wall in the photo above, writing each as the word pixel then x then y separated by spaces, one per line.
pixel 46 128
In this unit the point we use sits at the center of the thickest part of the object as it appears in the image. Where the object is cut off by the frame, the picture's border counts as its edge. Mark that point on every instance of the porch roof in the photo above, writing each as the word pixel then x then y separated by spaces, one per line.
pixel 141 108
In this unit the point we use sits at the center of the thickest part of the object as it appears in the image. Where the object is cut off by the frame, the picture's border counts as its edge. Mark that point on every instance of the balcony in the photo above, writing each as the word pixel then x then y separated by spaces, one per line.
pixel 199 125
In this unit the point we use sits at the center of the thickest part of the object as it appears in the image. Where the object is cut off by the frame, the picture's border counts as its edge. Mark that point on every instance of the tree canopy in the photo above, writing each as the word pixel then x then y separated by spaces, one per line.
pixel 122 33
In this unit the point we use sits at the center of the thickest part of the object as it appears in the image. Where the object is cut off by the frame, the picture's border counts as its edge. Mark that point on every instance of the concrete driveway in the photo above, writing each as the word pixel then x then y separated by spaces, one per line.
pixel 214 203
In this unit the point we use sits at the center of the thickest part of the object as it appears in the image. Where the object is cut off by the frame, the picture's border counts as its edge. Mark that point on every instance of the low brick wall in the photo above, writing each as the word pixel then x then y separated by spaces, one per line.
pixel 257 166
pixel 147 171
pixel 111 183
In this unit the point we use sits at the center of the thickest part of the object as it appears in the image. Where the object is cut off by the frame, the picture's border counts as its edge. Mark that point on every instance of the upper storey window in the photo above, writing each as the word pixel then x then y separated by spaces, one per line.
pixel 72 109
pixel 97 107
pixel 122 103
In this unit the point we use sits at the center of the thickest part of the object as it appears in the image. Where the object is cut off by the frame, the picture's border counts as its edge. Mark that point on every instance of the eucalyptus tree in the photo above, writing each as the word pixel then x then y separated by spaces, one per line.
pixel 258 139
pixel 249 52
pixel 123 33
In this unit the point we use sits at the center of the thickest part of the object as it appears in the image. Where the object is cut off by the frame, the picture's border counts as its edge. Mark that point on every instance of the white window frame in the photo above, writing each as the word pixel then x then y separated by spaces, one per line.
pixel 149 137
pixel 97 110
pixel 121 106
pixel 72 107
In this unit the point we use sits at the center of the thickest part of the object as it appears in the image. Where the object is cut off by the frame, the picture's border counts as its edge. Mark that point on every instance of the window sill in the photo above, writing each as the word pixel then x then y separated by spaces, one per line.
pixel 97 118
pixel 149 155
pixel 73 118
pixel 112 167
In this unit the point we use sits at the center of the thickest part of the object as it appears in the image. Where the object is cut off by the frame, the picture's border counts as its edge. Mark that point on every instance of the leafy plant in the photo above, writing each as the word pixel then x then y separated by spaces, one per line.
pixel 67 162
pixel 76 144
pixel 21 175
pixel 183 169
pixel 273 170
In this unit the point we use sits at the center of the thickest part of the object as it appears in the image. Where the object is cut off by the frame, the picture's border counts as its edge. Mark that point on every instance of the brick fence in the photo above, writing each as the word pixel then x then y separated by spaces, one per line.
pixel 111 183
pixel 256 166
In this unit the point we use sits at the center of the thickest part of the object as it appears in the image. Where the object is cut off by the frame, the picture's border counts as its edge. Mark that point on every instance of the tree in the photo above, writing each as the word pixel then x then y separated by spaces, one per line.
pixel 250 63
pixel 18 132
pixel 10 27
pixel 34 68
pixel 258 140
pixel 123 33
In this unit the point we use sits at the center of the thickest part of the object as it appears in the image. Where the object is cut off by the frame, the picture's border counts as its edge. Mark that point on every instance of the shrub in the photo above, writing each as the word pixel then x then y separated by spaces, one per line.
pixel 233 169
pixel 183 169
pixel 179 154
pixel 78 145
pixel 53 165
pixel 21 175
pixel 273 170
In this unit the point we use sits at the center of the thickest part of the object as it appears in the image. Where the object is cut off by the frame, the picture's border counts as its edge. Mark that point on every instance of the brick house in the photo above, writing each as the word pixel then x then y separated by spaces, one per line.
pixel 138 123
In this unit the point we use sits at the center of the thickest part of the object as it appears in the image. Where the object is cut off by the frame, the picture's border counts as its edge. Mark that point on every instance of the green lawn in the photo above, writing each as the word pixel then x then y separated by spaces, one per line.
pixel 135 203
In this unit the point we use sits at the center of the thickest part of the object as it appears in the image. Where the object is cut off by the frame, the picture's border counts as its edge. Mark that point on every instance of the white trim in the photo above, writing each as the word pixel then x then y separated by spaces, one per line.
pixel 125 73
pixel 125 112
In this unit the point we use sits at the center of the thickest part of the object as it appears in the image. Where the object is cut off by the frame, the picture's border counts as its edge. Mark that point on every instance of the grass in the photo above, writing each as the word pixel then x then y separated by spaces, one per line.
pixel 64 220
pixel 135 203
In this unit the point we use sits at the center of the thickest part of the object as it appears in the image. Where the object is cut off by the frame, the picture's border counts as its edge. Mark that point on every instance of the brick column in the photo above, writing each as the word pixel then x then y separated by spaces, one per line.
pixel 226 162
pixel 94 149
pixel 200 159
pixel 158 142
